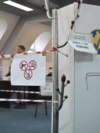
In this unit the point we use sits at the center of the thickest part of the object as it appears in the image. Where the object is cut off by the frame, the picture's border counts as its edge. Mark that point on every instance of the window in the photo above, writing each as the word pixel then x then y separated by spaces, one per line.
pixel 41 42
pixel 3 27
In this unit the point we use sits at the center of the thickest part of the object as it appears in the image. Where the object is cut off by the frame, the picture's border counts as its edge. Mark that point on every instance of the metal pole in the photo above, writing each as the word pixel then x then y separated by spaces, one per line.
pixel 55 114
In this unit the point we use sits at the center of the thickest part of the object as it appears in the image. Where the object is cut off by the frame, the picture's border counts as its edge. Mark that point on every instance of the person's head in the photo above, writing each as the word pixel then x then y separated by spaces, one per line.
pixel 20 49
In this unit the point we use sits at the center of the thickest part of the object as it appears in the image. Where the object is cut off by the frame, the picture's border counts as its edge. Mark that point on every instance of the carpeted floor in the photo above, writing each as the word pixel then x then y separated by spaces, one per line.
pixel 23 120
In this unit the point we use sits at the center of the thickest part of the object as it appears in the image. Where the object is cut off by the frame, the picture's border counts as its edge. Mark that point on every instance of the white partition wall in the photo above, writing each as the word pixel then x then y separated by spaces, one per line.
pixel 87 75
pixel 66 66
pixel 81 112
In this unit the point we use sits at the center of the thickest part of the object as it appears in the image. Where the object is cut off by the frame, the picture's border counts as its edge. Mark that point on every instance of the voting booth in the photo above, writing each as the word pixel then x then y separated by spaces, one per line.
pixel 81 111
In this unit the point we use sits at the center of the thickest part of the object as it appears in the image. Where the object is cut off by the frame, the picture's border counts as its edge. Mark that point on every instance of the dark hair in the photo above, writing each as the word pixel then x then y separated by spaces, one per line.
pixel 22 47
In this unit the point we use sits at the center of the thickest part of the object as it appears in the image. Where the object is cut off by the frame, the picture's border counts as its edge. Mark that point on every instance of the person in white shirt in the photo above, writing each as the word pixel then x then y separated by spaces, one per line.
pixel 19 105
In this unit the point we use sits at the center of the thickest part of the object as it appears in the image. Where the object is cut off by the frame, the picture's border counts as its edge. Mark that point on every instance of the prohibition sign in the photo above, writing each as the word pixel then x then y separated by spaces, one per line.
pixel 27 68
pixel 28 74
pixel 23 65
pixel 32 65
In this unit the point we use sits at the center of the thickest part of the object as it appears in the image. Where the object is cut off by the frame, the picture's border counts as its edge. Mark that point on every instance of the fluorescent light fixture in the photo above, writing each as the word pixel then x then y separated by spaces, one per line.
pixel 17 5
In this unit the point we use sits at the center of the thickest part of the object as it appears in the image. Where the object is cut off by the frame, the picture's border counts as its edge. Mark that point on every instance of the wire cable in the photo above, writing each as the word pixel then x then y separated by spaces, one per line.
pixel 73 22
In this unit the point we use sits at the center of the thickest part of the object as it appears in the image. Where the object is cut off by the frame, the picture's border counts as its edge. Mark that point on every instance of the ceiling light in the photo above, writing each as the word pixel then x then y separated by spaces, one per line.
pixel 17 5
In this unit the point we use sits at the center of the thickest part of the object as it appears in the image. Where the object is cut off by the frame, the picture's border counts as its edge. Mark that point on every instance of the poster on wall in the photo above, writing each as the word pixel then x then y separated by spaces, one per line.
pixel 28 70
pixel 82 42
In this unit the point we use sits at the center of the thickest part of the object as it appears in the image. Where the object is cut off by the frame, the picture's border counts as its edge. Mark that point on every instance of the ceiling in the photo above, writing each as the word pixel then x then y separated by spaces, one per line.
pixel 38 6
pixel 61 3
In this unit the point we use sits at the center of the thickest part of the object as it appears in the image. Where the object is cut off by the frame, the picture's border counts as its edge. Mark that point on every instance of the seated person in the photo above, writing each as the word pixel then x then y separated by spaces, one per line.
pixel 50 72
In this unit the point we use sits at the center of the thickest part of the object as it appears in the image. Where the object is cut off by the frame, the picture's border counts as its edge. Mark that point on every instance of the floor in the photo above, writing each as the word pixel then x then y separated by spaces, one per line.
pixel 23 120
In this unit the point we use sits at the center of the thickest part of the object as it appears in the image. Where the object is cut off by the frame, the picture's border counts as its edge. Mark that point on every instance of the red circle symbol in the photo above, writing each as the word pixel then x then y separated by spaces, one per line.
pixel 32 65
pixel 28 74
pixel 23 65
pixel 27 68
